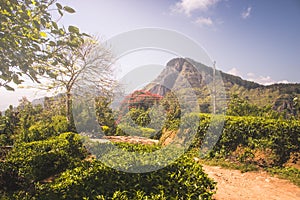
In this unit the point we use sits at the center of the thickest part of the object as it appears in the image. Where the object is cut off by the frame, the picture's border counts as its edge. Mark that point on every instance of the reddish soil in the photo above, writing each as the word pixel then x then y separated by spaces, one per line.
pixel 131 139
pixel 234 185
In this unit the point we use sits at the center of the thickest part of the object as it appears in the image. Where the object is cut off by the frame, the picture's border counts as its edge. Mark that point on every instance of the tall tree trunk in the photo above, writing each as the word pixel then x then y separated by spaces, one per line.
pixel 69 108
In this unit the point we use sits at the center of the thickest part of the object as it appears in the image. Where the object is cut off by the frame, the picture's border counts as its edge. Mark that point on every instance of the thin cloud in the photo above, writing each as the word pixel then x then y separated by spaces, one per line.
pixel 204 21
pixel 284 82
pixel 188 6
pixel 247 13
pixel 264 80
pixel 234 71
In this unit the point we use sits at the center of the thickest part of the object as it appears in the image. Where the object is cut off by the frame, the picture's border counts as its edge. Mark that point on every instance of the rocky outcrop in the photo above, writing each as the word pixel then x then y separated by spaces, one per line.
pixel 178 74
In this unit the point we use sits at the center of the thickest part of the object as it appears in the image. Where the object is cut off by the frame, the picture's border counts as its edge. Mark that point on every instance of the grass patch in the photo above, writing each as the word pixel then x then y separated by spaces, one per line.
pixel 290 173
pixel 229 165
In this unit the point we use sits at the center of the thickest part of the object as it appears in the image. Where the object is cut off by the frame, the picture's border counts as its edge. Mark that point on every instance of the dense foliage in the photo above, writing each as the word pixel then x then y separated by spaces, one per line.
pixel 242 107
pixel 27 34
pixel 30 123
pixel 266 142
pixel 35 161
pixel 140 114
pixel 30 163
pixel 46 163
pixel 145 114
pixel 105 115
pixel 183 179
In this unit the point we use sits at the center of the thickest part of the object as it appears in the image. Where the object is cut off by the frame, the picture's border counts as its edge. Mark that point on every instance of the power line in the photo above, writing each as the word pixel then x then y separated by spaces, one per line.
pixel 214 87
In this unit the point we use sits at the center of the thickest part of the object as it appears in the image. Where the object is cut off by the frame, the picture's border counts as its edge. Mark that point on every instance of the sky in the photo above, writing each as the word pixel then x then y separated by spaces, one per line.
pixel 258 40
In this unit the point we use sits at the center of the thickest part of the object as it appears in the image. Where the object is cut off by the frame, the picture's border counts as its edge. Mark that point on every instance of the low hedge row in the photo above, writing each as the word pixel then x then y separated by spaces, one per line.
pixel 183 179
pixel 280 137
pixel 35 161
pixel 74 178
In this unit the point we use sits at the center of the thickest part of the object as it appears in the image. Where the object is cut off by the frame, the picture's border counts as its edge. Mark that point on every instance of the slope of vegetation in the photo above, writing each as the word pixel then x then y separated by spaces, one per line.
pixel 184 179
pixel 42 156
pixel 47 163
pixel 55 169
pixel 279 97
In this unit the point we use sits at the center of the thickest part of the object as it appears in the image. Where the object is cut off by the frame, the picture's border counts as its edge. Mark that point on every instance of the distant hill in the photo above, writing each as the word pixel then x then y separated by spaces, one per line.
pixel 200 78
pixel 183 74
pixel 39 101
pixel 45 101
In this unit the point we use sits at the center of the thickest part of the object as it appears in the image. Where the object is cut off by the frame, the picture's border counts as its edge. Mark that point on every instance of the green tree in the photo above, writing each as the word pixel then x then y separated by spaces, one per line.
pixel 241 107
pixel 8 126
pixel 11 120
pixel 27 33
pixel 105 115
pixel 172 106
pixel 28 115
pixel 296 107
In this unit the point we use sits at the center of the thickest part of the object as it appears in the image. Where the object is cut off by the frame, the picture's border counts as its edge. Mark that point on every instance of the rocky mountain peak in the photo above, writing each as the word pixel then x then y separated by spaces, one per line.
pixel 179 73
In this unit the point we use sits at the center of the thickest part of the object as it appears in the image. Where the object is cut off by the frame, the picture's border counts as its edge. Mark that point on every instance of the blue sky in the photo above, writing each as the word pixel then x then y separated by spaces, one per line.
pixel 256 39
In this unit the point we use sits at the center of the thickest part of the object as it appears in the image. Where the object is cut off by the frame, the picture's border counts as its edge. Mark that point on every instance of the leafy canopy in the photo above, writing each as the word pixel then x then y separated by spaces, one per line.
pixel 27 31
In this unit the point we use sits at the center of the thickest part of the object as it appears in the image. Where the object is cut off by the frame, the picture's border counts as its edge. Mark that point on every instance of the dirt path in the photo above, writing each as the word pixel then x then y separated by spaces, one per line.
pixel 234 185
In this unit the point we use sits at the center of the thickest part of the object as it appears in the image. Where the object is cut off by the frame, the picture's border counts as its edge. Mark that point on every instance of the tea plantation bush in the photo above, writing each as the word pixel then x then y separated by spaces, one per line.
pixel 74 178
pixel 124 129
pixel 271 137
pixel 183 179
pixel 34 161
pixel 42 130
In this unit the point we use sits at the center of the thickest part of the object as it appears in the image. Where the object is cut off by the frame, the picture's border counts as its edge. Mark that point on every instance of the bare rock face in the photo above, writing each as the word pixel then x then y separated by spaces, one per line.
pixel 178 74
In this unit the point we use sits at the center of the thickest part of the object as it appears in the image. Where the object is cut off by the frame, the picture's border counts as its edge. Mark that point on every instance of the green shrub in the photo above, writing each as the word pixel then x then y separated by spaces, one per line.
pixel 278 137
pixel 41 130
pixel 182 179
pixel 124 129
pixel 38 160
pixel 290 173
pixel 59 124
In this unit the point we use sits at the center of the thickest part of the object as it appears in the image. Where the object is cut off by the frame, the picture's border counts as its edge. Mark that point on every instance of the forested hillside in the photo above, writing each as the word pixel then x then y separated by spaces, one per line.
pixel 283 98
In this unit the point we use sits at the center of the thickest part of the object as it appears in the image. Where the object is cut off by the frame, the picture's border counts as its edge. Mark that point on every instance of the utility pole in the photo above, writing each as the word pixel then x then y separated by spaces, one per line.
pixel 214 88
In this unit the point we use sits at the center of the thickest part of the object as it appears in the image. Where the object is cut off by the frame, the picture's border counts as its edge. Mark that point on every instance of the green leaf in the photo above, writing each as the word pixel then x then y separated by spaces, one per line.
pixel 54 24
pixel 52 44
pixel 60 42
pixel 52 75
pixel 59 6
pixel 85 34
pixel 62 32
pixel 69 9
pixel 16 79
pixel 9 88
pixel 60 12
pixel 73 29
pixel 37 24
pixel 55 63
pixel 43 34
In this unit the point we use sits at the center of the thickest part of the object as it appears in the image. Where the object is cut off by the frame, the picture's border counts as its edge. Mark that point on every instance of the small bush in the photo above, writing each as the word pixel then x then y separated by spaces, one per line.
pixel 290 173
pixel 124 129
pixel 182 179
pixel 38 160
pixel 41 130
pixel 253 134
